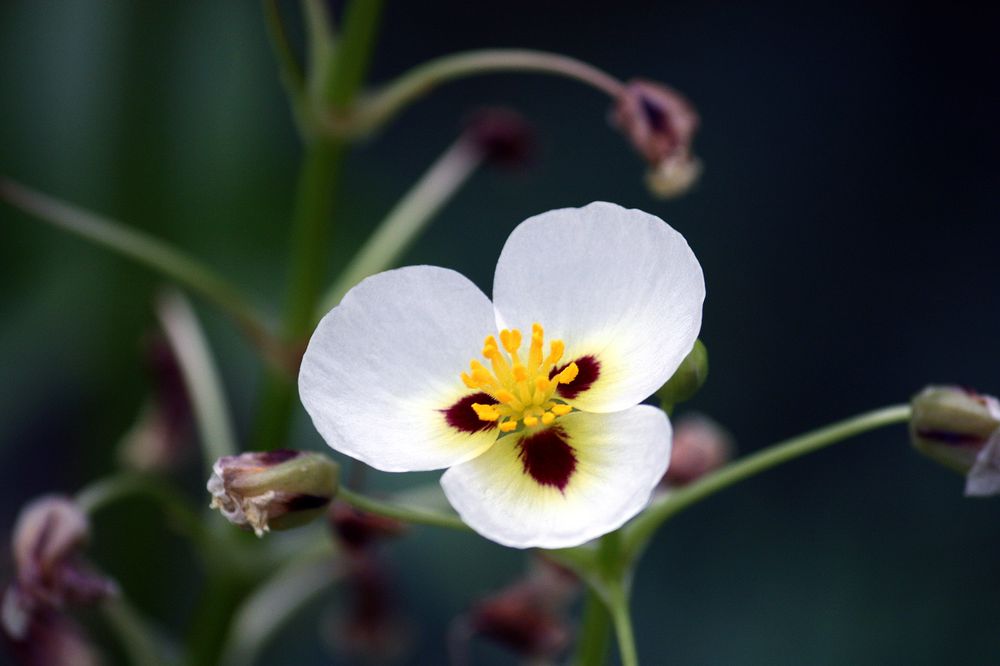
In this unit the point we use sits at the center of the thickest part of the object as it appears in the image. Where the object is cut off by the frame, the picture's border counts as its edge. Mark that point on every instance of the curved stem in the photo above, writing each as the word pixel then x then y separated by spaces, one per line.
pixel 150 252
pixel 405 514
pixel 201 379
pixel 638 532
pixel 592 646
pixel 379 107
pixel 618 606
pixel 408 218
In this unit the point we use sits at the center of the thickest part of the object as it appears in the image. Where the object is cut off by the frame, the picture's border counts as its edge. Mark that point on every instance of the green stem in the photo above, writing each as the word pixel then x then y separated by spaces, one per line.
pixel 200 376
pixel 151 253
pixel 134 634
pixel 292 76
pixel 618 606
pixel 378 108
pixel 640 530
pixel 311 229
pixel 104 492
pixel 595 632
pixel 405 514
pixel 408 218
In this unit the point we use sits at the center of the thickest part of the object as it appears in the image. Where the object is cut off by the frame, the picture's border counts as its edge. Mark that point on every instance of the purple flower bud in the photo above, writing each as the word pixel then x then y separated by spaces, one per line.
pixel 960 429
pixel 356 530
pixel 503 135
pixel 660 123
pixel 273 489
pixel 700 446
pixel 49 535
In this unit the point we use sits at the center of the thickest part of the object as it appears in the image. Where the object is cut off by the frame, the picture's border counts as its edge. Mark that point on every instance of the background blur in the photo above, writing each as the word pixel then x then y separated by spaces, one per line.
pixel 846 223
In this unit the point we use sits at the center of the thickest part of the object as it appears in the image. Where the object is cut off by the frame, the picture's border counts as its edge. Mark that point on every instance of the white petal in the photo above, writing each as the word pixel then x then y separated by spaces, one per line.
pixel 620 458
pixel 618 284
pixel 383 364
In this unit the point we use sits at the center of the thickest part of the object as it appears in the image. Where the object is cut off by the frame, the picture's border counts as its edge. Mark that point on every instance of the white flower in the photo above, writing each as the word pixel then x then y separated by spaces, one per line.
pixel 544 439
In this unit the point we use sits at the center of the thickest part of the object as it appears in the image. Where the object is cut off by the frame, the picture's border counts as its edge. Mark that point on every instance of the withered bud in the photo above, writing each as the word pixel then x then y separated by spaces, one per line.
pixel 52 639
pixel 273 490
pixel 49 536
pixel 161 436
pixel 700 446
pixel 960 429
pixel 503 135
pixel 660 123
pixel 529 616
pixel 356 530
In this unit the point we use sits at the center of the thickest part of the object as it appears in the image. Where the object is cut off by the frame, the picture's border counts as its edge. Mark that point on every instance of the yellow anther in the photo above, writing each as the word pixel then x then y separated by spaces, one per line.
pixel 522 388
pixel 486 412
pixel 568 374
pixel 506 397
pixel 556 349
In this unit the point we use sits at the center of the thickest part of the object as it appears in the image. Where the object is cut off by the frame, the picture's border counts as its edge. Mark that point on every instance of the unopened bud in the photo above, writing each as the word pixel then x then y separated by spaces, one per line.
pixel 660 123
pixel 273 490
pixel 356 530
pixel 503 135
pixel 687 379
pixel 48 539
pixel 700 446
pixel 960 429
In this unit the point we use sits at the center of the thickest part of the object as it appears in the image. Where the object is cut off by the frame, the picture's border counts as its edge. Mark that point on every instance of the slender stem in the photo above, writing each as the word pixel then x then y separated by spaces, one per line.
pixel 354 51
pixel 151 252
pixel 292 76
pixel 320 41
pixel 638 532
pixel 274 603
pixel 406 514
pixel 376 109
pixel 133 633
pixel 623 627
pixel 311 228
pixel 102 493
pixel 408 218
pixel 201 379
pixel 595 632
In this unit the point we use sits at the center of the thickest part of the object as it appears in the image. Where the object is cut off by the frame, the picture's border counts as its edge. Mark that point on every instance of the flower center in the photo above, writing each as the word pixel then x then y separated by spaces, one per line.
pixel 522 388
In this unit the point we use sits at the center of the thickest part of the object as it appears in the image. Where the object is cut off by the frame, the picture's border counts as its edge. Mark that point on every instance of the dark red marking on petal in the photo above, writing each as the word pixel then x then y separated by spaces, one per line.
pixel 589 370
pixel 547 457
pixel 277 456
pixel 461 415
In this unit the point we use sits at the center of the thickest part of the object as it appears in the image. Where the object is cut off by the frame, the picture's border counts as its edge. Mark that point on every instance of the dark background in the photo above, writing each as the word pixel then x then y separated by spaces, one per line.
pixel 846 223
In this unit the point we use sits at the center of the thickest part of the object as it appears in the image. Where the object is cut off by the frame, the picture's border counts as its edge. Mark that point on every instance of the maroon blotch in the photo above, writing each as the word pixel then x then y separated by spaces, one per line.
pixel 548 458
pixel 461 415
pixel 589 370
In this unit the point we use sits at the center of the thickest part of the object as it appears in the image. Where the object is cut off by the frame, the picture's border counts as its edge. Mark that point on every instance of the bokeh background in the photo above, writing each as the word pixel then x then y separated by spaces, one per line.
pixel 846 223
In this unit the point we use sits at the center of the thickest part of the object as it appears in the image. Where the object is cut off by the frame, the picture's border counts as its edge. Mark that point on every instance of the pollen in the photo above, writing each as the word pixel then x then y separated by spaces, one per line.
pixel 521 386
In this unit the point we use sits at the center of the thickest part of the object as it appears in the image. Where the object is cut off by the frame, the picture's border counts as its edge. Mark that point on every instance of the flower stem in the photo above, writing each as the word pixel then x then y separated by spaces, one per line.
pixel 134 634
pixel 201 378
pixel 408 218
pixel 314 204
pixel 405 514
pixel 150 252
pixel 592 647
pixel 292 76
pixel 376 109
pixel 640 530
pixel 623 626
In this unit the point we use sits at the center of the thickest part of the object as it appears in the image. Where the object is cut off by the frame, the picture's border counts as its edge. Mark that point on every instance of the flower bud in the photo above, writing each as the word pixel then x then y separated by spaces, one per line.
pixel 53 639
pixel 503 136
pixel 273 489
pixel 356 530
pixel 700 446
pixel 960 429
pixel 660 123
pixel 687 379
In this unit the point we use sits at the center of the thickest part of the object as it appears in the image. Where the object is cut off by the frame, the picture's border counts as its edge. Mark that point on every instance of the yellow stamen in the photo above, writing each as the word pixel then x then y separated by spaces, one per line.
pixel 561 410
pixel 508 426
pixel 486 412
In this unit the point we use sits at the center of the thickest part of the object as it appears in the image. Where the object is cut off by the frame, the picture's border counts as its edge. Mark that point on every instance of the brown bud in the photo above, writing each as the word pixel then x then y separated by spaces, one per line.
pixel 273 489
pixel 356 530
pixel 700 446
pixel 660 123
pixel 503 135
